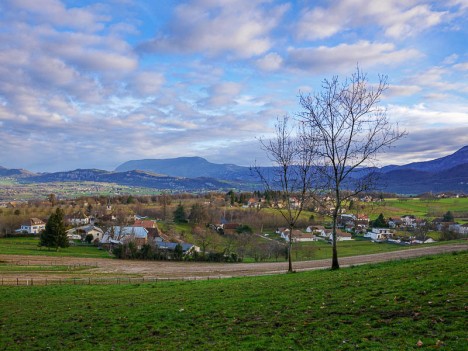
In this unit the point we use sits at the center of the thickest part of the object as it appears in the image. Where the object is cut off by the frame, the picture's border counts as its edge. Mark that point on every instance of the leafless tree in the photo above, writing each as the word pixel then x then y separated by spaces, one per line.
pixel 422 230
pixel 292 172
pixel 350 127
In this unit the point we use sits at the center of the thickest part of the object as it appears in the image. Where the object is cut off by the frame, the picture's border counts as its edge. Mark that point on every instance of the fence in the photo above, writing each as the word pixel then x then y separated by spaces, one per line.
pixel 97 281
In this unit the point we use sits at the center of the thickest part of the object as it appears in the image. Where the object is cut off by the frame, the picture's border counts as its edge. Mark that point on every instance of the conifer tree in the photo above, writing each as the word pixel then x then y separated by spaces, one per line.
pixel 54 235
pixel 380 222
pixel 179 214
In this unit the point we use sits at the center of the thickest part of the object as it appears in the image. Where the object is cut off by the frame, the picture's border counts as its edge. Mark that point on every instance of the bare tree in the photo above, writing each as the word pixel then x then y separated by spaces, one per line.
pixel 292 172
pixel 351 128
pixel 422 230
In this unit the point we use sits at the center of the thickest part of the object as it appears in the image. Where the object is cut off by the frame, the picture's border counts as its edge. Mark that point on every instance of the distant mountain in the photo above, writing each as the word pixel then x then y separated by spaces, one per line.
pixel 5 172
pixel 411 181
pixel 130 178
pixel 449 173
pixel 190 167
pixel 437 165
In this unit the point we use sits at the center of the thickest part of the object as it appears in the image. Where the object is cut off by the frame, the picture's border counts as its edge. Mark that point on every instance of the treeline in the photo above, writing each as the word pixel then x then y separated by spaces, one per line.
pixel 258 251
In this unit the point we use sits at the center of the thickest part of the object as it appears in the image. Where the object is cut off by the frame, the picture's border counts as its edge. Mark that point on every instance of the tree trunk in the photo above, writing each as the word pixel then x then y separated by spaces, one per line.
pixel 335 264
pixel 290 269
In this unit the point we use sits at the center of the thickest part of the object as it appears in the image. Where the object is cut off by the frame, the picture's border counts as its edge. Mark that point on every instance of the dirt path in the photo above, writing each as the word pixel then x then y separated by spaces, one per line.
pixel 165 269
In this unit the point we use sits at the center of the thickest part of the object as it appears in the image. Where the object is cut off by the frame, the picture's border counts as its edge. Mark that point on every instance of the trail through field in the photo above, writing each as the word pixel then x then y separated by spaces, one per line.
pixel 112 268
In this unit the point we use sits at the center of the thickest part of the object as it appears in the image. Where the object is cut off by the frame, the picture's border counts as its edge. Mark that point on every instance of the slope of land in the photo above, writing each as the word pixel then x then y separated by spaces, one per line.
pixel 402 305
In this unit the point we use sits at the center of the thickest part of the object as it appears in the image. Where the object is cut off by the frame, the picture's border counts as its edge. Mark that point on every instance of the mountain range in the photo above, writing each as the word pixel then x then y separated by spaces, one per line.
pixel 449 173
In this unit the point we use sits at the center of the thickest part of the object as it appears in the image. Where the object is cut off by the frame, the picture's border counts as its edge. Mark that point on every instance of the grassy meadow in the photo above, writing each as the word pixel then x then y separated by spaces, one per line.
pixel 419 207
pixel 29 246
pixel 388 306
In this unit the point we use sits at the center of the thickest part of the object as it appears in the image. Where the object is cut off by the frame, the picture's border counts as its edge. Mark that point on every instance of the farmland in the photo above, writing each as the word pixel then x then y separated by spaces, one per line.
pixel 386 306
pixel 420 207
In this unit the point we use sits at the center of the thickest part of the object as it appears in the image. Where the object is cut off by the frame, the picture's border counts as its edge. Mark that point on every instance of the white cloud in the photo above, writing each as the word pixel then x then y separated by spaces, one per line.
pixel 237 27
pixel 401 90
pixel 422 117
pixel 147 82
pixel 223 94
pixel 398 19
pixel 270 62
pixel 461 66
pixel 341 57
pixel 438 79
pixel 55 13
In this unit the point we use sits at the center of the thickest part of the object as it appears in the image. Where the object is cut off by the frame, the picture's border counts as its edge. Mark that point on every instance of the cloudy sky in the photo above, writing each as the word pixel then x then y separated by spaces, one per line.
pixel 91 84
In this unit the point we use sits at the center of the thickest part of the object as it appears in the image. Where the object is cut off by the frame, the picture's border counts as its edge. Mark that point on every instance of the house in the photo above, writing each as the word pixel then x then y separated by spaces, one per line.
pixel 294 202
pixel 340 236
pixel 409 220
pixel 361 223
pixel 78 218
pixel 379 234
pixel 80 233
pixel 463 229
pixel 33 226
pixel 302 237
pixel 395 223
pixel 253 203
pixel 317 230
pixel 120 235
pixel 145 223
pixel 345 218
pixel 284 233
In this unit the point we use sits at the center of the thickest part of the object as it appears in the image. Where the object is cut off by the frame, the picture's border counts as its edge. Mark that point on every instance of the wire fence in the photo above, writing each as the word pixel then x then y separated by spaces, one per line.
pixel 45 263
pixel 96 281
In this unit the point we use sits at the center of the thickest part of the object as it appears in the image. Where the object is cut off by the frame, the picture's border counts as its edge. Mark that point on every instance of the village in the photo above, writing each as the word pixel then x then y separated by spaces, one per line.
pixel 223 227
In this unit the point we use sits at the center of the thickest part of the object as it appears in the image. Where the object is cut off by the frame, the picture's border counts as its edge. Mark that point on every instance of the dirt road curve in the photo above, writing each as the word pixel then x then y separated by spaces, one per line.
pixel 166 269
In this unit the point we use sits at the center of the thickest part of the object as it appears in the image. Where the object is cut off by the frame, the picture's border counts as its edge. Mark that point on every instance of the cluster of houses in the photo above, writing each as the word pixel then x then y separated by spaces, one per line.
pixel 141 232
pixel 313 233
pixel 349 225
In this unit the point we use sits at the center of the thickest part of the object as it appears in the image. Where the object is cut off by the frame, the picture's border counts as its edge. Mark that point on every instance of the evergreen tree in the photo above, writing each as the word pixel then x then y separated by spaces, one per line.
pixel 54 235
pixel 179 214
pixel 448 217
pixel 380 222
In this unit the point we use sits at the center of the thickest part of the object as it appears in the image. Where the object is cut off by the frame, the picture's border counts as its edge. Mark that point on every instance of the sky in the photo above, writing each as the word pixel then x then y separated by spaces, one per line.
pixel 92 84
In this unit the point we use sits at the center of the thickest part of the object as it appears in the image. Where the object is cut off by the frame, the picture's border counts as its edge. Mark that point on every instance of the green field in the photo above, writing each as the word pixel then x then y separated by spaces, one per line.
pixel 18 269
pixel 389 306
pixel 28 246
pixel 420 207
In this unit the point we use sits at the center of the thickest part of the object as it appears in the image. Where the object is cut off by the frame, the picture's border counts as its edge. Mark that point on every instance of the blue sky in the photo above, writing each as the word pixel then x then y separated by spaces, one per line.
pixel 88 84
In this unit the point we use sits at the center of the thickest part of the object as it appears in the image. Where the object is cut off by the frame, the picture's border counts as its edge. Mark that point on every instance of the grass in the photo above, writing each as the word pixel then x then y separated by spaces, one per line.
pixel 9 268
pixel 388 306
pixel 28 246
pixel 322 250
pixel 423 208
